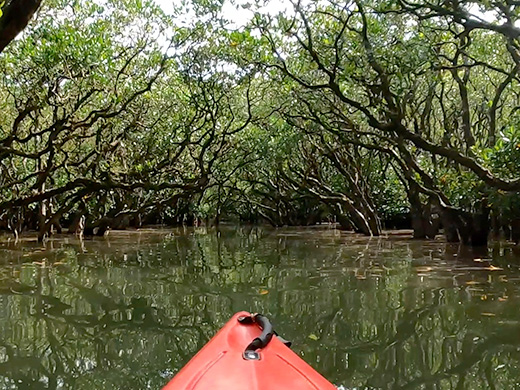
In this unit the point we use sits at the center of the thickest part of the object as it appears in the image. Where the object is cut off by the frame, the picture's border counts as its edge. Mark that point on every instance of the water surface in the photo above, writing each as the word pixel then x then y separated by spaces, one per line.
pixel 128 311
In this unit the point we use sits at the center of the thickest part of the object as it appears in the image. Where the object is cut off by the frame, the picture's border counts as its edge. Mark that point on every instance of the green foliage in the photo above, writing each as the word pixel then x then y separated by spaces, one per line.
pixel 505 155
pixel 505 158
pixel 357 110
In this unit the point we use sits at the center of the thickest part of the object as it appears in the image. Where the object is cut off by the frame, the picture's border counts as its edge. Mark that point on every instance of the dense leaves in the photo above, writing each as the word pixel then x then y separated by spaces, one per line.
pixel 365 113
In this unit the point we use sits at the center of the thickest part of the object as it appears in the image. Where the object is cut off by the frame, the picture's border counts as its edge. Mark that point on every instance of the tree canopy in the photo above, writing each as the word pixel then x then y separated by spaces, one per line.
pixel 370 113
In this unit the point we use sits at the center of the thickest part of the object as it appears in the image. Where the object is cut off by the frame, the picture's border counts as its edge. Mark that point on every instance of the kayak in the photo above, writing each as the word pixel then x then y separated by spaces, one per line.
pixel 247 354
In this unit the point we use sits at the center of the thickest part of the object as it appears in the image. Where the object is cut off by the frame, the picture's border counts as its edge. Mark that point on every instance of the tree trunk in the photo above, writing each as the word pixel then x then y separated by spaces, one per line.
pixel 423 224
pixel 364 224
pixel 515 230
pixel 42 218
pixel 418 225
pixel 75 223
pixel 480 228
pixel 15 17
pixel 495 225
pixel 450 225
pixel 344 221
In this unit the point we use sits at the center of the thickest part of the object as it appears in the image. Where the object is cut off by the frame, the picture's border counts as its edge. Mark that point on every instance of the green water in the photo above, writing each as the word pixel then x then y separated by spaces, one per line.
pixel 127 311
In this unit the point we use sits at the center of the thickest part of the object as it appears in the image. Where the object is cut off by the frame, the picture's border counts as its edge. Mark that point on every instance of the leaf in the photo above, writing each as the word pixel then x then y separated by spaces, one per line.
pixel 263 291
pixel 312 336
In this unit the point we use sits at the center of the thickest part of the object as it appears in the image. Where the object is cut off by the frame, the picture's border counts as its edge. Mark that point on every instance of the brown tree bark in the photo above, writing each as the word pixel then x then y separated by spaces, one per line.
pixel 16 15
pixel 515 230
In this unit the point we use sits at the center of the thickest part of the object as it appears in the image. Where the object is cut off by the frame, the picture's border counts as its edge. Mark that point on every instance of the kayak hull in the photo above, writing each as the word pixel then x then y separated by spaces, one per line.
pixel 220 364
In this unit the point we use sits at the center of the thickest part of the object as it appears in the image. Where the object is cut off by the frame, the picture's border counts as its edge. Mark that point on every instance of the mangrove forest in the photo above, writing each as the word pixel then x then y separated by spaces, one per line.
pixel 369 114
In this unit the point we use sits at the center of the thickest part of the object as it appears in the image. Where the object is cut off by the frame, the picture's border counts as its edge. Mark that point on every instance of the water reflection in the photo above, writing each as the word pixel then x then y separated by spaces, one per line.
pixel 129 311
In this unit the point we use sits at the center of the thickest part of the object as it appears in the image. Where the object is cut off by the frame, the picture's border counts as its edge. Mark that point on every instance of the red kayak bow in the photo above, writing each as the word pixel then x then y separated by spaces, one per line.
pixel 247 355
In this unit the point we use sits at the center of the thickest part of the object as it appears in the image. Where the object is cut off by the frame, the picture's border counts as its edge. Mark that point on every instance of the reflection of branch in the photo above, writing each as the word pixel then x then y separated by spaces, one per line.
pixel 498 342
pixel 404 330
pixel 15 366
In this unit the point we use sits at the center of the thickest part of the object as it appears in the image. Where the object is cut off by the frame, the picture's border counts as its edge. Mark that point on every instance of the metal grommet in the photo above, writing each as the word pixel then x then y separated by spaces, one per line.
pixel 251 355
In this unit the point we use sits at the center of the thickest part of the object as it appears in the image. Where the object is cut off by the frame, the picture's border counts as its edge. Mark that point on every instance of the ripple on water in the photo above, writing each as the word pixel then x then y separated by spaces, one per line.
pixel 372 314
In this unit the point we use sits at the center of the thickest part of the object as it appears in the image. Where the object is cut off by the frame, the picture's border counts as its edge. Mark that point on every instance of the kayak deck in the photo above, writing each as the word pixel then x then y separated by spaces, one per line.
pixel 222 365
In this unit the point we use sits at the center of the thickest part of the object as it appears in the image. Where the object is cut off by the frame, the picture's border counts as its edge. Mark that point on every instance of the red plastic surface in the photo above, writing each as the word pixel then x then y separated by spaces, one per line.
pixel 219 365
